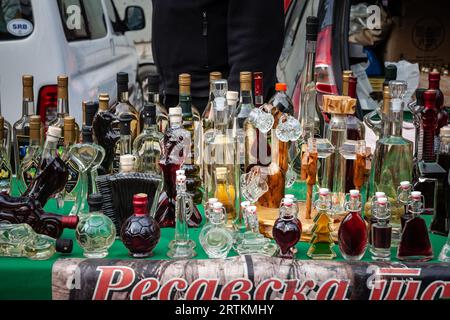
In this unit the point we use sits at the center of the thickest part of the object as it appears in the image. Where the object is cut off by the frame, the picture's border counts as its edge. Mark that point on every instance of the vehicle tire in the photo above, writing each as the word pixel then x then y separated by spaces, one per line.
pixel 143 73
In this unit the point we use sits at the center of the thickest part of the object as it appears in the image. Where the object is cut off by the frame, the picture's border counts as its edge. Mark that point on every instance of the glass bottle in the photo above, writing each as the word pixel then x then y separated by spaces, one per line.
pixel 123 105
pixel 382 127
pixel 415 242
pixel 393 158
pixel 20 240
pixel 258 79
pixel 403 196
pixel 162 116
pixel 175 148
pixel 21 129
pixel 429 126
pixel 444 256
pixel 140 233
pixel 50 150
pixel 104 134
pixel 90 111
pixel 434 79
pixel 232 100
pixel 287 229
pixel 63 109
pixel 95 232
pixel 370 210
pixel 147 147
pixel 322 243
pixel 7 133
pixel 29 167
pixel 381 232
pixel 215 238
pixel 181 247
pixel 441 221
pixel 208 114
pixel 190 166
pixel 5 165
pixel 125 144
pixel 352 233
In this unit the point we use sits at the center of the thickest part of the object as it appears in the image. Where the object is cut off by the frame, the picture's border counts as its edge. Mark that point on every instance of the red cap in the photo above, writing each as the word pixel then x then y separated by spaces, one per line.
pixel 434 76
pixel 69 222
pixel 281 87
pixel 429 97
pixel 140 202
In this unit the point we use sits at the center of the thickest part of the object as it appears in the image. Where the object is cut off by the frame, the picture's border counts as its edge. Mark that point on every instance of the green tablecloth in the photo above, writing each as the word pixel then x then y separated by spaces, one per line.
pixel 21 278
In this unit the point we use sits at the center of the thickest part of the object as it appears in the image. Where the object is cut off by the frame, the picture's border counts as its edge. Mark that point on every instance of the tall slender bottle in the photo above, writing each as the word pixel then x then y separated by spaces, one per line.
pixel 162 115
pixel 124 145
pixel 29 167
pixel 63 108
pixel 258 79
pixel 5 165
pixel 208 114
pixel 434 80
pixel 382 128
pixel 123 105
pixel 21 129
pixel 429 125
pixel 192 169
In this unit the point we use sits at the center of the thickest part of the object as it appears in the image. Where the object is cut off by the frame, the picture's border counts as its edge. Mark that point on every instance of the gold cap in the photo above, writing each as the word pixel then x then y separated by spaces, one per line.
pixel 103 101
pixel 63 83
pixel 35 127
pixel 214 76
pixel 69 129
pixel 246 78
pixel 345 81
pixel 27 82
pixel 184 81
pixel 339 104
pixel 386 99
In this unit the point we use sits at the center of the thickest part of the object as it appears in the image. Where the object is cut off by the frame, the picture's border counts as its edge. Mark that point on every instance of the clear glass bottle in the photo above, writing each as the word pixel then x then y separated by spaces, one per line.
pixel 232 100
pixel 369 210
pixel 162 115
pixel 123 105
pixel 381 231
pixel 50 150
pixel 95 232
pixel 29 167
pixel 125 144
pixel 287 229
pixel 381 127
pixel 21 129
pixel 208 114
pixel 147 146
pixel 415 244
pixel 215 238
pixel 441 223
pixel 321 242
pixel 181 247
pixel 63 109
pixel 352 233
pixel 20 240
pixel 5 165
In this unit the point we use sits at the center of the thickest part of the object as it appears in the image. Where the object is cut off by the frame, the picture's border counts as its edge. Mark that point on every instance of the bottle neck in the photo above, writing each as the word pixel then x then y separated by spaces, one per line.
pixel 397 118
pixel 153 97
pixel 185 103
pixel 181 188
pixel 246 97
pixel 62 107
pixel 140 210
pixel 310 61
pixel 27 107
pixel 434 84
pixel 50 146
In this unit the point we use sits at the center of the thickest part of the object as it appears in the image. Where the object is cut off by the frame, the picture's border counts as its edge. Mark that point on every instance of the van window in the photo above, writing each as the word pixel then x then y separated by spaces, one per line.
pixel 16 19
pixel 113 15
pixel 82 20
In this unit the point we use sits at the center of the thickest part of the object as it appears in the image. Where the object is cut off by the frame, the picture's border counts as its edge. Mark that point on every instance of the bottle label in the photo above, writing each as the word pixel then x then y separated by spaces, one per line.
pixel 5 172
pixel 30 171
pixel 23 142
pixel 74 177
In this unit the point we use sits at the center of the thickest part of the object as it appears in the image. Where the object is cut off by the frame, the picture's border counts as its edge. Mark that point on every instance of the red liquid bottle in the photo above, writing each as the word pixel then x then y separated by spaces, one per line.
pixel 352 234
pixel 140 233
pixel 415 243
pixel 434 79
pixel 381 232
pixel 429 125
pixel 287 229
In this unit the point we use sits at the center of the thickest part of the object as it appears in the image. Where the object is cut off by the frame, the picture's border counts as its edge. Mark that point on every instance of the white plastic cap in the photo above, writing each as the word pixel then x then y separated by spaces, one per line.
pixel 288 202
pixel 232 96
pixel 405 184
pixel 245 204
pixel 380 195
pixel 218 205
pixel 177 111
pixel 324 191
pixel 382 201
pixel 354 193
pixel 211 201
pixel 54 134
pixel 416 194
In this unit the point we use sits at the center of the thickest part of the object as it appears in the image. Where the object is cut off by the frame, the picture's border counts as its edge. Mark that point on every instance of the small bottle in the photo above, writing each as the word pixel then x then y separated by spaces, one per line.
pixel 181 247
pixel 20 240
pixel 381 232
pixel 21 129
pixel 287 229
pixel 403 197
pixel 123 105
pixel 124 144
pixel 5 165
pixel 352 233
pixel 147 146
pixel 415 242
pixel 140 233
pixel 162 116
pixel 370 213
pixel 95 232
pixel 29 167
pixel 209 204
pixel 215 238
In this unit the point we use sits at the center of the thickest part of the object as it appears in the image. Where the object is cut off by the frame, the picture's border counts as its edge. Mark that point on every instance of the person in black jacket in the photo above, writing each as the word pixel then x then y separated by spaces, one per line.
pixel 201 36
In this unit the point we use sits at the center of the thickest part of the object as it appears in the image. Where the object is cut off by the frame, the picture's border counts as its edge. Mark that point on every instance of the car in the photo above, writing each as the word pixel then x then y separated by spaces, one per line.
pixel 82 39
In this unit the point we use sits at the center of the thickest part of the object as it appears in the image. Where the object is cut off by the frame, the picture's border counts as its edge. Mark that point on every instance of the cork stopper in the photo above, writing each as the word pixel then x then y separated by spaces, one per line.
pixel 103 102
pixel 69 129
pixel 214 76
pixel 184 81
pixel 246 81
pixel 63 83
pixel 2 125
pixel 339 104
pixel 35 128
pixel 27 82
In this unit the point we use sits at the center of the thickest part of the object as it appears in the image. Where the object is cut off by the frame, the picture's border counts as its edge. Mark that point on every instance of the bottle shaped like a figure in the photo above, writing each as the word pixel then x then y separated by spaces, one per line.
pixel 381 231
pixel 5 165
pixel 95 232
pixel 20 240
pixel 181 247
pixel 140 233
pixel 215 238
pixel 415 242
pixel 322 243
pixel 352 233
pixel 287 229
pixel 147 147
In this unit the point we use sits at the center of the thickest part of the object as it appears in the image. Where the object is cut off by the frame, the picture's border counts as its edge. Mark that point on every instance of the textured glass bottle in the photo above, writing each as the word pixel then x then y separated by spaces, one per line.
pixel 29 166
pixel 5 165
pixel 287 229
pixel 215 238
pixel 20 240
pixel 95 232
pixel 147 146
pixel 21 129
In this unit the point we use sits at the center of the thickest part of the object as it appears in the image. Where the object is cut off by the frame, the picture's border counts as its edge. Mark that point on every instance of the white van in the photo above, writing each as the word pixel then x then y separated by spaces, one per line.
pixel 84 39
